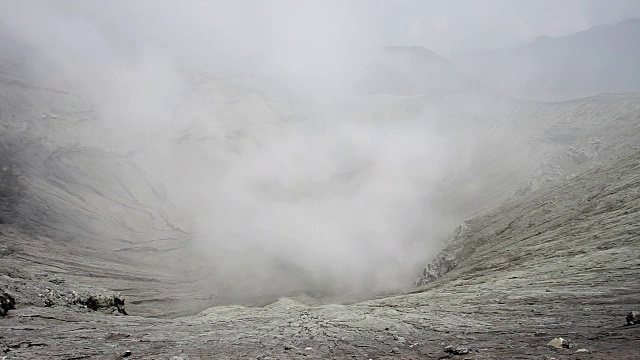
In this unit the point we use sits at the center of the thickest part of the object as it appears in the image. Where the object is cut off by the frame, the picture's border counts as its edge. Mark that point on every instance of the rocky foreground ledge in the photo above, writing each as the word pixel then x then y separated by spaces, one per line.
pixel 471 323
pixel 552 275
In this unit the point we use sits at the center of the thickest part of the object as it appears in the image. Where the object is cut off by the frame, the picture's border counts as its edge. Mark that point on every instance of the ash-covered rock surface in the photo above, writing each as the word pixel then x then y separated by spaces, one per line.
pixel 563 262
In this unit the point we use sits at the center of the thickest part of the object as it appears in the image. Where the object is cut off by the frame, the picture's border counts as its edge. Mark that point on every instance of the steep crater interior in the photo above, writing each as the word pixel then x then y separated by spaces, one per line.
pixel 388 212
pixel 171 221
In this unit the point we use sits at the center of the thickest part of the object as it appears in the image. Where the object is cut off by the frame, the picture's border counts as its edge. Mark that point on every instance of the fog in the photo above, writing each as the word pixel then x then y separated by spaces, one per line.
pixel 304 197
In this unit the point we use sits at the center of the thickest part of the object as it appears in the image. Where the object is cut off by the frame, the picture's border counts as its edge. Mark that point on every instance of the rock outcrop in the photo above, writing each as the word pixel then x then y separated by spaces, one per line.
pixel 447 259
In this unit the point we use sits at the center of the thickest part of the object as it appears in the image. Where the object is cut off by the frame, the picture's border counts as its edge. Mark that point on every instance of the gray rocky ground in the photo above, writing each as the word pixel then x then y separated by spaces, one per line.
pixel 559 262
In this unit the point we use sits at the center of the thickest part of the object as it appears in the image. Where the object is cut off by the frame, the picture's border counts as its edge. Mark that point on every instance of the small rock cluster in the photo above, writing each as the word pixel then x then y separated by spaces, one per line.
pixel 456 350
pixel 633 318
pixel 7 302
pixel 559 343
pixel 100 301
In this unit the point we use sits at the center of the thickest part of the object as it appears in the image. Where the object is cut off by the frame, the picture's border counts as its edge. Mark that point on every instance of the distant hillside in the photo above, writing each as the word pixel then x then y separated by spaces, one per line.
pixel 413 70
pixel 603 59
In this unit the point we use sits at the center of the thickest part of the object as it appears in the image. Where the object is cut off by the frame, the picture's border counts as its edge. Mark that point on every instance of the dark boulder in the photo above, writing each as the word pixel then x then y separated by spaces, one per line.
pixel 7 302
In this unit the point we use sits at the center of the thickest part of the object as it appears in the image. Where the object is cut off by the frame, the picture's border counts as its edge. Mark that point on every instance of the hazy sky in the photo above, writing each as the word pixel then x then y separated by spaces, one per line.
pixel 443 26
pixel 460 25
